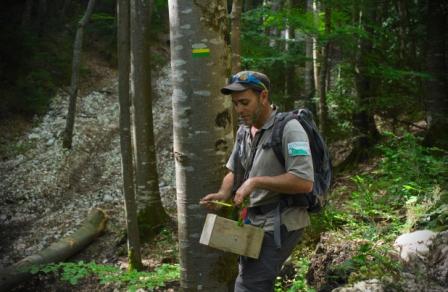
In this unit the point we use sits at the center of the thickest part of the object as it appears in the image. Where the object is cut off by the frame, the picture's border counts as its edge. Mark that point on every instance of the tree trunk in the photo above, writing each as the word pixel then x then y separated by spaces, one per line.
pixel 316 55
pixel 77 48
pixel 363 120
pixel 26 16
pixel 151 213
pixel 202 130
pixel 235 39
pixel 436 87
pixel 322 90
pixel 41 16
pixel 309 67
pixel 134 256
pixel 64 7
pixel 56 252
pixel 235 17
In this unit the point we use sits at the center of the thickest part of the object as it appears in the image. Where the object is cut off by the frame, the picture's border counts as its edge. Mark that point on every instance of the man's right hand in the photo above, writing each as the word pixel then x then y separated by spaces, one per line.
pixel 207 201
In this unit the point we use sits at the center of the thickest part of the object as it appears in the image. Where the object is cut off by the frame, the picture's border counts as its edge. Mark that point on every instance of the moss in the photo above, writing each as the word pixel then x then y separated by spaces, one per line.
pixel 134 264
pixel 225 269
pixel 150 221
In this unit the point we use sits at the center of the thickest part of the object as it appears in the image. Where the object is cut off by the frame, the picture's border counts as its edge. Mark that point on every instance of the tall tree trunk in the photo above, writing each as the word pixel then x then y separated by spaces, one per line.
pixel 316 55
pixel 26 16
pixel 41 16
pixel 77 49
pixel 322 90
pixel 437 86
pixel 235 17
pixel 127 167
pixel 235 44
pixel 364 121
pixel 309 64
pixel 64 7
pixel 202 132
pixel 151 212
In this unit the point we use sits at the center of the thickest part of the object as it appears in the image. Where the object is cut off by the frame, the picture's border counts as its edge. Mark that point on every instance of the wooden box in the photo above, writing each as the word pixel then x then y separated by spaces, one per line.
pixel 226 235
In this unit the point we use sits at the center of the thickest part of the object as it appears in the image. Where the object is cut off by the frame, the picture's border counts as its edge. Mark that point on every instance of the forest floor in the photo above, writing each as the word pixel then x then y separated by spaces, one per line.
pixel 46 191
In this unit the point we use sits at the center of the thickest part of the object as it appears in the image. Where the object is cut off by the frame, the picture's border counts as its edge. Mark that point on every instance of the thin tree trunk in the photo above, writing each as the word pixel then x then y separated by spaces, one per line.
pixel 235 17
pixel 202 131
pixel 66 247
pixel 26 16
pixel 316 64
pixel 134 255
pixel 322 91
pixel 41 16
pixel 77 49
pixel 64 7
pixel 437 86
pixel 151 212
pixel 364 121
pixel 235 41
pixel 309 67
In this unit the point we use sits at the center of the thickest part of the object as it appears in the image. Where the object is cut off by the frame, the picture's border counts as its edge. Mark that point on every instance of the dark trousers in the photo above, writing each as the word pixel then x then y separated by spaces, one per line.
pixel 258 275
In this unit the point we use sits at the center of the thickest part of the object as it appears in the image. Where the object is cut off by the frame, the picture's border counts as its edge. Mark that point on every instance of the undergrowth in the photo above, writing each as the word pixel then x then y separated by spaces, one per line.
pixel 405 191
pixel 73 272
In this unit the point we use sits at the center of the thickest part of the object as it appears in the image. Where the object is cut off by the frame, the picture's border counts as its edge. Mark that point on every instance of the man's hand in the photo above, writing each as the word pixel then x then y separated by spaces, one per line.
pixel 245 190
pixel 207 200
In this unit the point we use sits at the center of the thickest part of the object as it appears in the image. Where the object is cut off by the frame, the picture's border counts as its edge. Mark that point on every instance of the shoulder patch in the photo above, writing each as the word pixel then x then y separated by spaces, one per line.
pixel 298 149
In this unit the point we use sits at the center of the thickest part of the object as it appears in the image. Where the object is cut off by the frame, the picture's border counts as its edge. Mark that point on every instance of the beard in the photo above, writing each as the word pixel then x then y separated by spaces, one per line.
pixel 250 121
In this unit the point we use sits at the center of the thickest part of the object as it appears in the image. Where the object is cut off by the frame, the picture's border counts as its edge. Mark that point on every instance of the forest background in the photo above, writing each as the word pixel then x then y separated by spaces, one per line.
pixel 374 73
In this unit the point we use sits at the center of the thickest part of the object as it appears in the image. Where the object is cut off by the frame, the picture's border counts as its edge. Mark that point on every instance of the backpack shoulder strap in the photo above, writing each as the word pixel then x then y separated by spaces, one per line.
pixel 276 142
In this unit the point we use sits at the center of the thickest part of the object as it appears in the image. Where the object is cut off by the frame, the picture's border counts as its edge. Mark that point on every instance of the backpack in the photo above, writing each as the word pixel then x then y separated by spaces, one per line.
pixel 316 199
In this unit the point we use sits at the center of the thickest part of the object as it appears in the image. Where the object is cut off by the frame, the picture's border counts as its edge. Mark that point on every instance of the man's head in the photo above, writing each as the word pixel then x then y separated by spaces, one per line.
pixel 250 96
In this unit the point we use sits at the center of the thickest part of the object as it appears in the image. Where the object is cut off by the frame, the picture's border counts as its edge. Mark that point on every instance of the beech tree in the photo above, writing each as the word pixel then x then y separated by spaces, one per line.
pixel 151 212
pixel 127 165
pixel 202 131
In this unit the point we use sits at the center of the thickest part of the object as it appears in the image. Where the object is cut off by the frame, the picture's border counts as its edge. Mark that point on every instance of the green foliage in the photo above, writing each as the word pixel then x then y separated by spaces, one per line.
pixel 405 190
pixel 368 263
pixel 133 280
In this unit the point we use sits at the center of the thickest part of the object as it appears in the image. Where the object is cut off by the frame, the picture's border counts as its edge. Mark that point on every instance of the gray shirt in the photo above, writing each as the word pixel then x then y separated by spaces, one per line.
pixel 298 161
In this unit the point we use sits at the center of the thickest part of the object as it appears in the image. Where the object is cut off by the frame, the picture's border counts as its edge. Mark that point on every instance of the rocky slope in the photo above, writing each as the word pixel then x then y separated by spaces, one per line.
pixel 46 191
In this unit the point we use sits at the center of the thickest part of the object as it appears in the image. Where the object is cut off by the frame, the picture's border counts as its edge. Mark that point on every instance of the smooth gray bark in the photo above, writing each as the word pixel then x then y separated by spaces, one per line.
pixel 151 212
pixel 127 167
pixel 202 132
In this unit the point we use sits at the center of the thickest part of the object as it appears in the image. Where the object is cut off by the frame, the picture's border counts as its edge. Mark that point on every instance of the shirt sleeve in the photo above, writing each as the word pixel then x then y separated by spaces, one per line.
pixel 231 162
pixel 297 151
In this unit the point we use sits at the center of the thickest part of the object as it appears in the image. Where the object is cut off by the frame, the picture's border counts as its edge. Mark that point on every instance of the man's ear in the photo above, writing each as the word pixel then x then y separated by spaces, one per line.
pixel 265 96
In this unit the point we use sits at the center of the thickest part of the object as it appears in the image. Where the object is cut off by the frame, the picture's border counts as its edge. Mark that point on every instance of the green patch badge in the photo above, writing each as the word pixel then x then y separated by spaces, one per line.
pixel 298 149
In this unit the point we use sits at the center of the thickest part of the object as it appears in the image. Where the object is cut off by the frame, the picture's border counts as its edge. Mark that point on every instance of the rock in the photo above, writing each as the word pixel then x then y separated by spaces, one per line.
pixel 372 285
pixel 415 244
pixel 33 136
pixel 438 259
pixel 108 198
pixel 50 142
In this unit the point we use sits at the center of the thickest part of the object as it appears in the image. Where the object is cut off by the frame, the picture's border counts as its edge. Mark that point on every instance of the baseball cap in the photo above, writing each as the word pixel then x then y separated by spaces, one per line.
pixel 244 80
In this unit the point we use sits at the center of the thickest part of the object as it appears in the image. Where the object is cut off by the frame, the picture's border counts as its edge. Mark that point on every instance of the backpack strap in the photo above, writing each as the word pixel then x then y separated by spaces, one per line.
pixel 239 170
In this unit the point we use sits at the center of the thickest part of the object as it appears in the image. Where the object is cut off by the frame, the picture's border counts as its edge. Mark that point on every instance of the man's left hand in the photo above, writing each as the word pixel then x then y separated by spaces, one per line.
pixel 245 190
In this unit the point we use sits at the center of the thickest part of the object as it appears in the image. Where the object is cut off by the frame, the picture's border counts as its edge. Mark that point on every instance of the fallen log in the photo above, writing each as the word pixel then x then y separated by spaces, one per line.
pixel 59 251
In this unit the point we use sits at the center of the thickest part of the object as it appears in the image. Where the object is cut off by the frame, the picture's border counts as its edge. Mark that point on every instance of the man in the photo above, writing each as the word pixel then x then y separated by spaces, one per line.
pixel 266 179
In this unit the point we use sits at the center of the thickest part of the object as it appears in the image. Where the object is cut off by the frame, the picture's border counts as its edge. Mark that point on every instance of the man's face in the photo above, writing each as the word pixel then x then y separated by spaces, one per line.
pixel 248 106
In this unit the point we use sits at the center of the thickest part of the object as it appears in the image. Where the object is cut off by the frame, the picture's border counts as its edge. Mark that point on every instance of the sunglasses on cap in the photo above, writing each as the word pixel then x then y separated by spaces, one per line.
pixel 247 78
